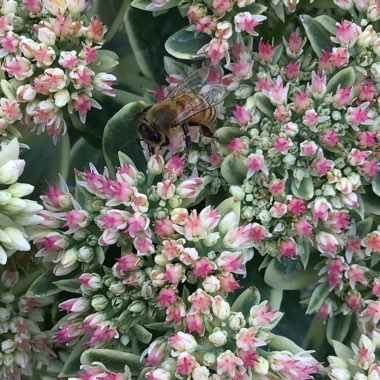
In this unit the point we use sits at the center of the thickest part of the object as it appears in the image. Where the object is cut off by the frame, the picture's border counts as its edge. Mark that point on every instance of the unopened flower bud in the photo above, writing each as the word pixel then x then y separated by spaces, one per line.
pixel 99 302
pixel 156 164
pixel 211 239
pixel 209 358
pixel 228 222
pixel 11 171
pixel 221 308
pixel 5 197
pixel 85 254
pixel 236 321
pixel 218 338
pixel 137 308
pixel 19 190
pixel 46 36
pixel 237 192
pixel 261 366
pixel 70 257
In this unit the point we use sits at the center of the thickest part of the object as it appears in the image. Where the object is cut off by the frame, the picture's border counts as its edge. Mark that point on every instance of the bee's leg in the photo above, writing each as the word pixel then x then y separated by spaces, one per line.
pixel 206 131
pixel 139 114
pixel 187 135
pixel 166 142
pixel 139 142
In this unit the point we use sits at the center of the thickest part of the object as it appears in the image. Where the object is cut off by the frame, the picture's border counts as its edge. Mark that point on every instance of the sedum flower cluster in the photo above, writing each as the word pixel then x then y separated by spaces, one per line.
pixel 17 214
pixel 162 262
pixel 52 63
pixel 359 362
pixel 25 347
pixel 300 147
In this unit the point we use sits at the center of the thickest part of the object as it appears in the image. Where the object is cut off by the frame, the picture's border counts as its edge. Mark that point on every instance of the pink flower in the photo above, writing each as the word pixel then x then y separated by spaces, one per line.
pixel 246 339
pixel 372 242
pixel 353 301
pixel 75 305
pixel 277 187
pixel 318 85
pixel 292 70
pixel 294 367
pixel 346 34
pixel 330 138
pixel 256 163
pixel 359 116
pixel 10 110
pixel 33 6
pixel 295 44
pixel 216 50
pixel 367 139
pixel 278 210
pixel 10 42
pixel 18 67
pixel 339 57
pixel 325 62
pixel 282 144
pixel 367 92
pixel 303 227
pixel 356 274
pixel 128 262
pixel 104 82
pixel 185 363
pixel 68 333
pixel 261 317
pixel 203 267
pixel 302 102
pixel 372 310
pixel 156 353
pixel 222 6
pixel 288 247
pixel 182 342
pixel 327 243
pixel 308 148
pixel 190 188
pixel 205 24
pixel 343 97
pixel 266 52
pixel 96 30
pixel 200 302
pixel 245 21
pixel 278 93
pixel 296 206
pixel 194 323
pixel 232 262
pixel 227 363
pixel 322 166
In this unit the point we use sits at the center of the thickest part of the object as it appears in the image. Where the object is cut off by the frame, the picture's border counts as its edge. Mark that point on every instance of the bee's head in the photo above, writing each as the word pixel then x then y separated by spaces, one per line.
pixel 149 135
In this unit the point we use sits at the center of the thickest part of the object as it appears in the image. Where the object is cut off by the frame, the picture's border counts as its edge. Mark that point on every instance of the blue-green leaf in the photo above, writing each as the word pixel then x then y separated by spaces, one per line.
pixel 289 275
pixel 185 44
pixel 233 169
pixel 318 36
pixel 112 359
pixel 344 78
pixel 250 297
pixel 120 135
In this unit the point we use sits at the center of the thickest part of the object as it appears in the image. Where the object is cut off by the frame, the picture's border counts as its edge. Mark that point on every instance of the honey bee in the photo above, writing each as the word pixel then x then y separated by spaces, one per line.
pixel 191 103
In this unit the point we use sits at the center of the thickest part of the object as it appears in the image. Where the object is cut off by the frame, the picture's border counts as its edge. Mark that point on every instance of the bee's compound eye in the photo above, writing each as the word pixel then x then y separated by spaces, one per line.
pixel 142 128
pixel 155 137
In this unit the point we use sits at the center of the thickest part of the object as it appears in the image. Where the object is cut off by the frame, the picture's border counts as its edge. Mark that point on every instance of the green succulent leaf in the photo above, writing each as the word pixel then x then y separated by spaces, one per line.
pixel 147 35
pixel 364 227
pixel 303 189
pixel 230 204
pixel 338 327
pixel 281 343
pixel 120 136
pixel 328 22
pixel 250 297
pixel 376 185
pixel 185 44
pixel 157 326
pixel 112 359
pixel 142 334
pixel 264 104
pixel 145 5
pixel 73 362
pixel 289 275
pixel 342 351
pixel 317 298
pixel 344 78
pixel 43 150
pixel 44 285
pixel 318 36
pixel 7 89
pixel 107 60
pixel 233 169
pixel 70 285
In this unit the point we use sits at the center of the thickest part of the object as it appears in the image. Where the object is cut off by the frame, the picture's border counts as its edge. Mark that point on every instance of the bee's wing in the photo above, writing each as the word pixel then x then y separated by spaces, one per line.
pixel 193 83
pixel 209 96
